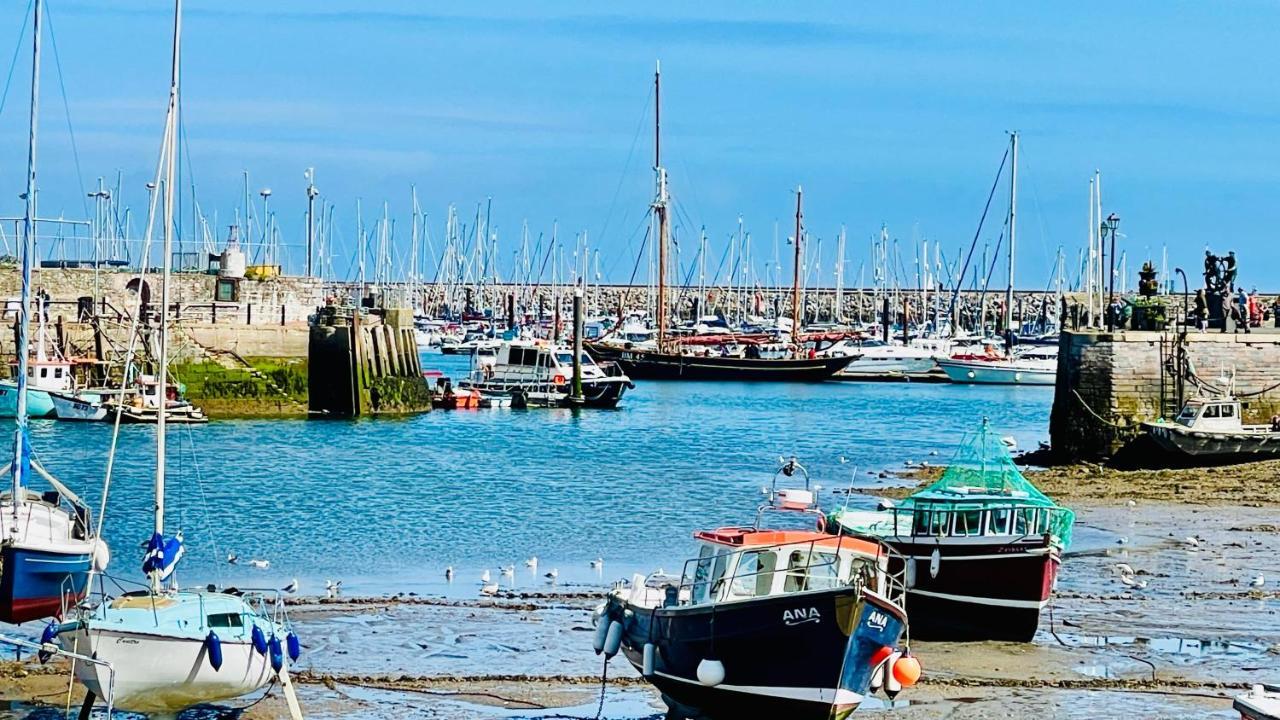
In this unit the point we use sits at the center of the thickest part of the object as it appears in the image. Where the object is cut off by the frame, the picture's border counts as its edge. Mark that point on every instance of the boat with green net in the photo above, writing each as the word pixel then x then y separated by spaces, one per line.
pixel 982 545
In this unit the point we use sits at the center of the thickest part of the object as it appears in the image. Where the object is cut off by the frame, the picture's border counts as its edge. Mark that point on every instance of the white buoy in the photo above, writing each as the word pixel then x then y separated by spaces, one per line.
pixel 909 573
pixel 613 639
pixel 101 556
pixel 935 563
pixel 647 663
pixel 710 672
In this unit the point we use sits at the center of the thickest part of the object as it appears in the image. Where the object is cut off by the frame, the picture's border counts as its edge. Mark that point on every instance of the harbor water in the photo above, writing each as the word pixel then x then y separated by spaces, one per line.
pixel 386 505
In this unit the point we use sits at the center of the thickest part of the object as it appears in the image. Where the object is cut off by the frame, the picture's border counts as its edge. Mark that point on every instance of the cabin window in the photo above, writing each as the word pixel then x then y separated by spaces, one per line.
pixel 1024 520
pixel 921 525
pixel 1211 411
pixel 57 372
pixel 940 523
pixel 225 620
pixel 709 573
pixel 754 576
pixel 807 570
pixel 1188 414
pixel 998 521
pixel 1228 411
pixel 44 372
pixel 968 522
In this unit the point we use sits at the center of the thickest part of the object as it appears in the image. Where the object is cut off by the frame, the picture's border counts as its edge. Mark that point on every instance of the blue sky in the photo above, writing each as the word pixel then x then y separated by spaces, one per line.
pixel 885 113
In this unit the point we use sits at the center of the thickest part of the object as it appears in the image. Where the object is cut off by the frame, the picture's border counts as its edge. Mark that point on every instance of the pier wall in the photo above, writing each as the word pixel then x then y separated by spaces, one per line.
pixel 1109 383
pixel 365 364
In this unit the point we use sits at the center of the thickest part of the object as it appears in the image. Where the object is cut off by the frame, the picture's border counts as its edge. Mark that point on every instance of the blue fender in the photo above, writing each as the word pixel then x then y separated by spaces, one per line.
pixel 277 653
pixel 294 646
pixel 213 645
pixel 259 640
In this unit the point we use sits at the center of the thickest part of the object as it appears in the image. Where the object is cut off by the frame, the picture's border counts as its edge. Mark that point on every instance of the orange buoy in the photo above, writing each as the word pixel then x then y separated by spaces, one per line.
pixel 906 669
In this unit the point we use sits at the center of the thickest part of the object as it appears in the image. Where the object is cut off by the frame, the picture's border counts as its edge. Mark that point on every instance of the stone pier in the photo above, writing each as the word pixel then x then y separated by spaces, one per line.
pixel 1110 382
pixel 365 362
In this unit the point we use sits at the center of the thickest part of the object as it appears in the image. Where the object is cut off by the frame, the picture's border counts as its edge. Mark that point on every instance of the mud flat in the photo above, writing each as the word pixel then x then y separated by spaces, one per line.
pixel 1193 632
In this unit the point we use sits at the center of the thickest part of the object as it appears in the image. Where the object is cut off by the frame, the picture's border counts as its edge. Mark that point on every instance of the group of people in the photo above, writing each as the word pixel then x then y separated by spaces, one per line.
pixel 1245 309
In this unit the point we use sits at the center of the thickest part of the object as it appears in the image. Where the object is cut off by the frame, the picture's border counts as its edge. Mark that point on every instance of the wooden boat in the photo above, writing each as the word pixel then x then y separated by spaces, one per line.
pixel 653 365
pixel 765 622
pixel 981 546
pixel 1213 427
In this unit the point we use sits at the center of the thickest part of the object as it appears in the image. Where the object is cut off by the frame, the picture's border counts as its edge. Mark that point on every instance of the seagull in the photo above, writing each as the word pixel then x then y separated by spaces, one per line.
pixel 532 562
pixel 1191 542
pixel 448 573
pixel 509 571
pixel 842 460
pixel 260 564
pixel 1123 569
pixel 232 558
pixel 1122 541
pixel 291 588
pixel 598 563
pixel 1258 581
pixel 332 588
pixel 484 576
pixel 1133 582
pixel 489 588
pixel 551 576
pixel 1132 503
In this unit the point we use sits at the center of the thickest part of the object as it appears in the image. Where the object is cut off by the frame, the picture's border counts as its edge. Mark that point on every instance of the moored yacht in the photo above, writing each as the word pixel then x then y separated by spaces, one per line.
pixel 1034 366
pixel 534 372
pixel 766 621
pixel 981 546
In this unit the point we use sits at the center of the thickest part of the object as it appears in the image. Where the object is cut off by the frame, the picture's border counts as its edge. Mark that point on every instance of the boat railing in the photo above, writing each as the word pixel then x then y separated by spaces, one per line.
pixel 702 582
pixel 982 519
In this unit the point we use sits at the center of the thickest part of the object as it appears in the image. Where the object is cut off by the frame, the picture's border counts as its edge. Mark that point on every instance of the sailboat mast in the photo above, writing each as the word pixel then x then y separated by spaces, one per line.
pixel 28 253
pixel 1013 235
pixel 170 153
pixel 660 206
pixel 795 277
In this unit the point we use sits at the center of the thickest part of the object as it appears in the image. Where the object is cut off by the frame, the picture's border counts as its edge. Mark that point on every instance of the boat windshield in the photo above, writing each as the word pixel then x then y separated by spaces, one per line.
pixel 566 358
pixel 721 574
pixel 1188 414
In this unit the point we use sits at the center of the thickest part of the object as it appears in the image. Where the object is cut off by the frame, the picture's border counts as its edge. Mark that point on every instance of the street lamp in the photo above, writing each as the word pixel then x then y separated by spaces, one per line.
pixel 266 218
pixel 312 192
pixel 1111 224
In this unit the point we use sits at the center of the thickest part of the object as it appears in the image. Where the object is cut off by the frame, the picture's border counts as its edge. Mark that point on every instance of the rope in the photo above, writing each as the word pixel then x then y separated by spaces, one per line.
pixel 13 64
pixel 1096 416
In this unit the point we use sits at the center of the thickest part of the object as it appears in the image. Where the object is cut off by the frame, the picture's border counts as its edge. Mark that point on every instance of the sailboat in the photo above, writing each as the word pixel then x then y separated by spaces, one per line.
pixel 673 360
pixel 47 542
pixel 167 648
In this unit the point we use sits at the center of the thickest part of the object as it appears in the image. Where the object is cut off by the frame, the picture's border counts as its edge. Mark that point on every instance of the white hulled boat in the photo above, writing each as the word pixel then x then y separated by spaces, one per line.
pixel 166 648
pixel 535 372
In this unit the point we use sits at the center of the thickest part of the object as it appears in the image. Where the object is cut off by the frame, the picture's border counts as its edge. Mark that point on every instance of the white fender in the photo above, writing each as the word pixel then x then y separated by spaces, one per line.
pixel 613 639
pixel 647 664
pixel 877 677
pixel 101 556
pixel 935 563
pixel 710 672
pixel 891 685
pixel 909 573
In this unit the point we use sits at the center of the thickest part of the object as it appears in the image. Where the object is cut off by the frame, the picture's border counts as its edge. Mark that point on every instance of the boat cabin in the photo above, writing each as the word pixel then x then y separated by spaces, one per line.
pixel 530 361
pixel 743 563
pixel 53 375
pixel 1223 415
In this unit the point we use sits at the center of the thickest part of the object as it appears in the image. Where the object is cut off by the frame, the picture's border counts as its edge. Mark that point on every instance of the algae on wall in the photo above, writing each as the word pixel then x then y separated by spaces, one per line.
pixel 269 387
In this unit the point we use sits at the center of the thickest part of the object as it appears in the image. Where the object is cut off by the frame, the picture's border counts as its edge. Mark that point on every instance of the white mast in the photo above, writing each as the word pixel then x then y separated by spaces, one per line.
pixel 1013 227
pixel 169 152
pixel 28 257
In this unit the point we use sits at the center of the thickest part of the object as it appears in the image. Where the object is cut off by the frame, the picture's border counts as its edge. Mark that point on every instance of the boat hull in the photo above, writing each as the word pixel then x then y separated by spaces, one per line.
pixel 39 404
pixel 1202 443
pixel 78 407
pixel 160 674
pixel 995 373
pixel 37 583
pixel 784 656
pixel 981 590
pixel 645 365
pixel 604 392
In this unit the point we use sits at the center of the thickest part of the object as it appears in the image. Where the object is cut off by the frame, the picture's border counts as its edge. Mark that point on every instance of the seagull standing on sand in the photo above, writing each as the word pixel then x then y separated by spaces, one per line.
pixel 291 588
pixel 532 563
pixel 332 588
pixel 509 571
pixel 489 589
pixel 552 576
pixel 597 564
pixel 484 576
pixel 448 574
pixel 1258 581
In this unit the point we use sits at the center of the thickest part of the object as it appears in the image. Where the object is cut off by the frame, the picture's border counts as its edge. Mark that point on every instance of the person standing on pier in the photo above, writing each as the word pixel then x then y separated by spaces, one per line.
pixel 1201 311
pixel 1242 310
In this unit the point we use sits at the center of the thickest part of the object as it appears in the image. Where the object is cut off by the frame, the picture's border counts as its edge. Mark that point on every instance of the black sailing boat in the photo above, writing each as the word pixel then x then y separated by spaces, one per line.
pixel 669 360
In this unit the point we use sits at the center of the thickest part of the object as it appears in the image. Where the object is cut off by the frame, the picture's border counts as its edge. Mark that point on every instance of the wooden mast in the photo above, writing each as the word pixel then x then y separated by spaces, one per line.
pixel 660 207
pixel 795 279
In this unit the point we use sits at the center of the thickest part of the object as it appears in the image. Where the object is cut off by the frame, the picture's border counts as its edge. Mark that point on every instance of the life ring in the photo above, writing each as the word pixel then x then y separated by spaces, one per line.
pixel 822 523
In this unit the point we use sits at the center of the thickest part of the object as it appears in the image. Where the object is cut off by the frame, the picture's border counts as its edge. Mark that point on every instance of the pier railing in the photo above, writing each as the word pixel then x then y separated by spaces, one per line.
pixel 213 313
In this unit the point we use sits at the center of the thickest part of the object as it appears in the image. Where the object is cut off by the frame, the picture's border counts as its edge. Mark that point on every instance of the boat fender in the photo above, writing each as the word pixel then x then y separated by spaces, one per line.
pixel 613 639
pixel 602 629
pixel 909 573
pixel 294 645
pixel 213 646
pixel 935 563
pixel 277 653
pixel 47 637
pixel 101 556
pixel 259 640
pixel 877 678
pixel 892 686
pixel 647 665
pixel 710 672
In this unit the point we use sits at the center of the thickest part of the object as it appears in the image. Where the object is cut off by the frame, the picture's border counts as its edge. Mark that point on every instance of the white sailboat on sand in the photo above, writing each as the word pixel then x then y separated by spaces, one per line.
pixel 164 649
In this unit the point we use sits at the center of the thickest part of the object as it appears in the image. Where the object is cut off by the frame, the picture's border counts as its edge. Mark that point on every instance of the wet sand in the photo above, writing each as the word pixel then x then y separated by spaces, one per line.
pixel 1181 646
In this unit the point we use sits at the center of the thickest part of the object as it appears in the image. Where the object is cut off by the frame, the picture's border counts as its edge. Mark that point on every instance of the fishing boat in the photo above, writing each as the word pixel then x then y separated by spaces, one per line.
pixel 166 648
pixel 1262 702
pixel 534 372
pixel 982 545
pixel 151 402
pixel 48 543
pixel 766 621
pixel 84 404
pixel 45 373
pixel 1214 427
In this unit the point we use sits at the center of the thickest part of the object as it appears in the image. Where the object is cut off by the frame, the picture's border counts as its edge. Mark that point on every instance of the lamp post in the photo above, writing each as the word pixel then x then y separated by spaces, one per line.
pixel 266 217
pixel 312 192
pixel 1111 224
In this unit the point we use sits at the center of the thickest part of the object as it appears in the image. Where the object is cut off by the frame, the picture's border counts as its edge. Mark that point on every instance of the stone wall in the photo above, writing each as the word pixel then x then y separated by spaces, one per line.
pixel 1109 383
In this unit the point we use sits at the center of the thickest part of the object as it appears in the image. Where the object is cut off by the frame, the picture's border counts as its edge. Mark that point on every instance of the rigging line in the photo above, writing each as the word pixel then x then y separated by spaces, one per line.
pixel 1035 200
pixel 978 232
pixel 66 107
pixel 204 501
pixel 635 140
pixel 13 63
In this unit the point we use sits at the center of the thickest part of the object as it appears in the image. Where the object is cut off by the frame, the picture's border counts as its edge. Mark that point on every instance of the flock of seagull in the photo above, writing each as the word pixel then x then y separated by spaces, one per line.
pixel 1192 543
pixel 490 587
